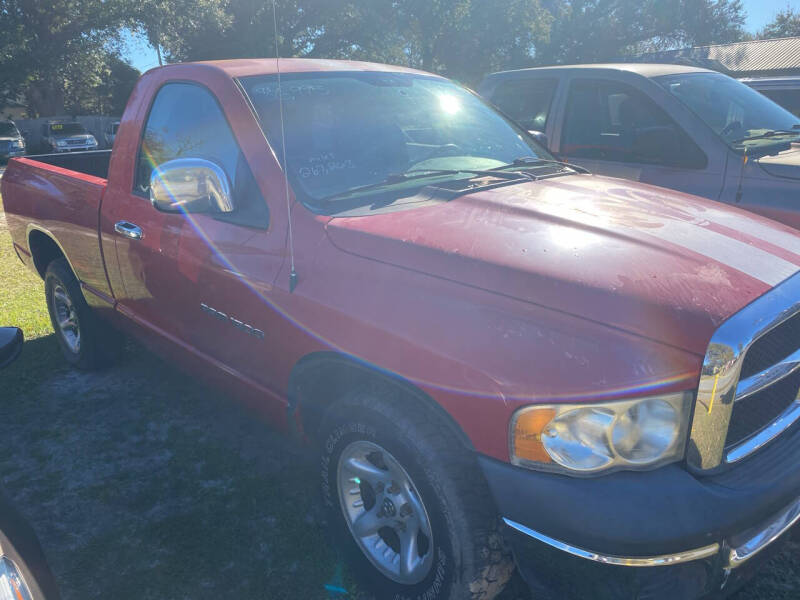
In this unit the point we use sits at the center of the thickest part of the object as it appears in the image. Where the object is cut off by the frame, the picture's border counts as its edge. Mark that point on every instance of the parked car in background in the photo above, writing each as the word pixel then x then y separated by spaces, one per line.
pixel 781 90
pixel 478 339
pixel 66 137
pixel 111 133
pixel 24 573
pixel 685 128
pixel 11 141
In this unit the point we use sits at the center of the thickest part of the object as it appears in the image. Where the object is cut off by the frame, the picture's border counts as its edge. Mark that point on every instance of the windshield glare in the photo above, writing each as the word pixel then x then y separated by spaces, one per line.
pixel 347 130
pixel 8 129
pixel 733 110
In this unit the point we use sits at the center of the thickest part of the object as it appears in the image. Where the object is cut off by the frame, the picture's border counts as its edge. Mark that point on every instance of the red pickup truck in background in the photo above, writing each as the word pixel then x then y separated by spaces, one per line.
pixel 491 349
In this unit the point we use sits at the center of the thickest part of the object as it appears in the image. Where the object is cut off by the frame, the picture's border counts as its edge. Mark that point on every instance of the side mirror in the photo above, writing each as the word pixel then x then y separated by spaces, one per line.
pixel 539 137
pixel 11 340
pixel 190 185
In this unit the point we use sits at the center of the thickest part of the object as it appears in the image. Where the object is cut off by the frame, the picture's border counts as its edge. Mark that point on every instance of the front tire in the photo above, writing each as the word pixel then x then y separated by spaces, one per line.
pixel 407 502
pixel 85 341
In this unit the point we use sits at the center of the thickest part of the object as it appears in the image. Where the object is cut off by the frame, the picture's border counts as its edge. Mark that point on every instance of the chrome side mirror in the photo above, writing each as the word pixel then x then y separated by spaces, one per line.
pixel 190 185
pixel 11 340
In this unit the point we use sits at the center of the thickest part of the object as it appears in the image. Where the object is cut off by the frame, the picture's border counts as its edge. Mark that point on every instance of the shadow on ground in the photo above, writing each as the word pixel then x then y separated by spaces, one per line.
pixel 142 483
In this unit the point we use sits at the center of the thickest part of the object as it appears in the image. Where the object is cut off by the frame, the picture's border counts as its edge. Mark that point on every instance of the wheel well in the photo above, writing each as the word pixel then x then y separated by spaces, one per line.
pixel 319 379
pixel 43 249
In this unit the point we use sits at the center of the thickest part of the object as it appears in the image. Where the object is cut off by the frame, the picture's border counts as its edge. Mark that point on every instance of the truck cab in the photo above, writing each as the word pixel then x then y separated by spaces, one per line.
pixel 686 128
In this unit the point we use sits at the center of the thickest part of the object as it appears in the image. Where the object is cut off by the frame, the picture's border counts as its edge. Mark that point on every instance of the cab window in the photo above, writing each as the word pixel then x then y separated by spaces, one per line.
pixel 185 121
pixel 606 120
pixel 527 101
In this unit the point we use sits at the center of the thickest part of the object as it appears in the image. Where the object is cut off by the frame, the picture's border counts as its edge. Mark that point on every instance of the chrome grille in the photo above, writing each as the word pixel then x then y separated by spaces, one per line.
pixel 748 392
pixel 758 410
pixel 773 347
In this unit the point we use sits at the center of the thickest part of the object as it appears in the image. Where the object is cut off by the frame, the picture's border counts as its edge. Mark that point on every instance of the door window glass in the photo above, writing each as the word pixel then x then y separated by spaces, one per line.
pixel 527 101
pixel 610 121
pixel 185 121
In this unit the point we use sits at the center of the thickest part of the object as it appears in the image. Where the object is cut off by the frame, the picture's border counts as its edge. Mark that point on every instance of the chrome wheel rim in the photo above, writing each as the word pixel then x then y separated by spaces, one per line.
pixel 385 513
pixel 66 318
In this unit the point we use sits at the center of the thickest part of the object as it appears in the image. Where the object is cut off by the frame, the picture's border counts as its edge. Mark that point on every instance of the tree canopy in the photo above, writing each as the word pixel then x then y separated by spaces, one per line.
pixel 54 52
pixel 785 24
pixel 64 54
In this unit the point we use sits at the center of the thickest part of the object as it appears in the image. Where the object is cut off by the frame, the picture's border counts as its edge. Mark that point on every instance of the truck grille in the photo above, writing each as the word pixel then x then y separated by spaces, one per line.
pixel 749 389
pixel 772 347
pixel 755 412
pixel 76 142
pixel 777 392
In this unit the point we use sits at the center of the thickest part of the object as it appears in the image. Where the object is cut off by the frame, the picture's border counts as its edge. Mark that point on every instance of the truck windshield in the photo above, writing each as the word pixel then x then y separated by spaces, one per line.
pixel 8 129
pixel 347 131
pixel 741 116
pixel 67 128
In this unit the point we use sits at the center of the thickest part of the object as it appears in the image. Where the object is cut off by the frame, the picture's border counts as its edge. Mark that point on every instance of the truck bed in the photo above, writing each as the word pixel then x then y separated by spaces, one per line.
pixel 93 162
pixel 57 197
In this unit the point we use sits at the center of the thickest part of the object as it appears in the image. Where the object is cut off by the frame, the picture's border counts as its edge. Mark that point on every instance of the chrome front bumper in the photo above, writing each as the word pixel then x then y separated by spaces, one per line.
pixel 740 548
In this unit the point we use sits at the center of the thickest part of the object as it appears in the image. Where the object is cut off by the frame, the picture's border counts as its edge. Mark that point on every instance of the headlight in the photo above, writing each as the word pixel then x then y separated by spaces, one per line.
pixel 61 143
pixel 92 140
pixel 587 439
pixel 17 144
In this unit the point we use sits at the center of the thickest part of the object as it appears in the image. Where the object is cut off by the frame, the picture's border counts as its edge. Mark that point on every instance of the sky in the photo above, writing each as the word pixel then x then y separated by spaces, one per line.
pixel 759 13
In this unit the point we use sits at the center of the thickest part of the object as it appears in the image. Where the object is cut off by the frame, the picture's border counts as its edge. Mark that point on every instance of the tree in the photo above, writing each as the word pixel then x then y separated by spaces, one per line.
pixel 52 50
pixel 785 24
pixel 597 30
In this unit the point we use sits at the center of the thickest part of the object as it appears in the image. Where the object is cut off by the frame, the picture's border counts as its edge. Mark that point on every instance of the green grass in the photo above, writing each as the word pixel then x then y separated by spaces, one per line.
pixel 143 483
pixel 21 291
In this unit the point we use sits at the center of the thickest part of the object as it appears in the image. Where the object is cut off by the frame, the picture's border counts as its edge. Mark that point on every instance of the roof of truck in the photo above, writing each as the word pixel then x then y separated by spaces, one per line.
pixel 242 67
pixel 643 69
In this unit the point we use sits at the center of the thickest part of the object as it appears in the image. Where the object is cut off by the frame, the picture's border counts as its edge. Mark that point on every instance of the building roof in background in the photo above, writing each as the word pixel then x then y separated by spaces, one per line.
pixel 758 56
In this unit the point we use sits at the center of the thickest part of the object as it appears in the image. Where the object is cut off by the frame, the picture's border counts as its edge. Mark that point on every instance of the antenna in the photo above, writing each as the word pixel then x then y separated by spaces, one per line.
pixel 292 272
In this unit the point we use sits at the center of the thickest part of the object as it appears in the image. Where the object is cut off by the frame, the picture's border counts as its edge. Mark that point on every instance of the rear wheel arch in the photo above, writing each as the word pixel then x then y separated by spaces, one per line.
pixel 319 379
pixel 44 250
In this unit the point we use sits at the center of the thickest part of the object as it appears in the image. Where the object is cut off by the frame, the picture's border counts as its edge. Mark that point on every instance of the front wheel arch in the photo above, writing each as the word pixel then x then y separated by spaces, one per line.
pixel 319 379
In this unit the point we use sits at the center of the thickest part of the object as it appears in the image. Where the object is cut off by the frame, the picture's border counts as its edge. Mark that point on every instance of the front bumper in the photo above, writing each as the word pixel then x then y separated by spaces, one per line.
pixel 60 149
pixel 597 537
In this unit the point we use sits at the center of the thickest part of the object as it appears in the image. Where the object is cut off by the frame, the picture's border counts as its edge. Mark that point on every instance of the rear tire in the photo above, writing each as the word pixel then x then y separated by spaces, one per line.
pixel 403 470
pixel 85 341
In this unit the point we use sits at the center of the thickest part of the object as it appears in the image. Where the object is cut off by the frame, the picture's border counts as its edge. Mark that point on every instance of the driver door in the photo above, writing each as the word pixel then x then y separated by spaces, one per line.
pixel 196 279
pixel 613 129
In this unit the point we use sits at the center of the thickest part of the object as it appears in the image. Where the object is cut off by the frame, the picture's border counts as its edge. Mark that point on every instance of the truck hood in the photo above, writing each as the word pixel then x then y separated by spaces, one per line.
pixel 655 263
pixel 786 164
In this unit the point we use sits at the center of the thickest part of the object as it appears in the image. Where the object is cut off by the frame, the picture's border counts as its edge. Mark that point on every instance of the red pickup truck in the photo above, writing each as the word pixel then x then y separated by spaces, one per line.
pixel 494 351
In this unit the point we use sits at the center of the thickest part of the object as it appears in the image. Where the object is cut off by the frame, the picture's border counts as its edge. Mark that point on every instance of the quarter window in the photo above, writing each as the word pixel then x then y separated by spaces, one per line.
pixel 610 121
pixel 185 121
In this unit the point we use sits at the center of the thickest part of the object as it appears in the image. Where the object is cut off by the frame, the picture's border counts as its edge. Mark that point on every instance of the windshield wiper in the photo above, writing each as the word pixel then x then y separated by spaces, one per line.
pixel 771 133
pixel 394 178
pixel 535 161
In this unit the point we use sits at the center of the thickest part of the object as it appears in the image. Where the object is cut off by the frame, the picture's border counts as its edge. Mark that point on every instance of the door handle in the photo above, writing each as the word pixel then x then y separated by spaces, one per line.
pixel 129 230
